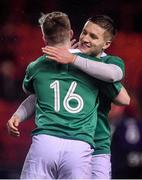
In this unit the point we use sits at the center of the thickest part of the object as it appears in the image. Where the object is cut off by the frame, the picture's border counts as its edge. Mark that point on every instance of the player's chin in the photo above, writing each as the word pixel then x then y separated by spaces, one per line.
pixel 84 50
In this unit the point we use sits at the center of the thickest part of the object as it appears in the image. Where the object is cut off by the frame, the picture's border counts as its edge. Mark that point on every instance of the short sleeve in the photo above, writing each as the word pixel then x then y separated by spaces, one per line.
pixel 116 61
pixel 28 80
pixel 111 90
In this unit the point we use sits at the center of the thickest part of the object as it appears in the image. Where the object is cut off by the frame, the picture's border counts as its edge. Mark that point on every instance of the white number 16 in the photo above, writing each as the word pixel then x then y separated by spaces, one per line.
pixel 69 96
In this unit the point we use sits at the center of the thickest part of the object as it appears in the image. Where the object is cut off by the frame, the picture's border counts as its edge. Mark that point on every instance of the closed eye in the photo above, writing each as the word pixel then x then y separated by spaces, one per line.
pixel 93 36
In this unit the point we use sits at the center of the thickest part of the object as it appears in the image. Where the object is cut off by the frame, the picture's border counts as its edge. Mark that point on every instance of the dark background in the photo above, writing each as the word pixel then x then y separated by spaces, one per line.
pixel 21 42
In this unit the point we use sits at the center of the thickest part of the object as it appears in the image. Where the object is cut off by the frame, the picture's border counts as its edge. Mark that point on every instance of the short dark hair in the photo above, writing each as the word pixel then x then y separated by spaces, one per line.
pixel 106 23
pixel 55 26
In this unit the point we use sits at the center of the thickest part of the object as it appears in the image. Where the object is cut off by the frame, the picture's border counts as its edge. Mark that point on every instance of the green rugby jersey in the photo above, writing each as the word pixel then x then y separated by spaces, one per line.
pixel 66 100
pixel 102 136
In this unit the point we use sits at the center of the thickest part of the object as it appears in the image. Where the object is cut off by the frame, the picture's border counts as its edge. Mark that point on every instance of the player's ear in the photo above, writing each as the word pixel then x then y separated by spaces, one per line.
pixel 106 45
pixel 71 34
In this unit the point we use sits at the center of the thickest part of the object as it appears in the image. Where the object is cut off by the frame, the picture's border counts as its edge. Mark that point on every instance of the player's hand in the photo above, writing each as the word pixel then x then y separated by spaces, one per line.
pixel 61 55
pixel 12 126
pixel 74 44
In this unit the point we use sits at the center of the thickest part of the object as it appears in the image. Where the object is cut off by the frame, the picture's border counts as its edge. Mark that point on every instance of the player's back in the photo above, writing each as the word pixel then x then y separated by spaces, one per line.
pixel 66 100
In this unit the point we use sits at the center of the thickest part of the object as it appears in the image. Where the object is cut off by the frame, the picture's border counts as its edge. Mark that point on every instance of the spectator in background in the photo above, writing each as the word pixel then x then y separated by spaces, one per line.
pixel 127 140
pixel 10 83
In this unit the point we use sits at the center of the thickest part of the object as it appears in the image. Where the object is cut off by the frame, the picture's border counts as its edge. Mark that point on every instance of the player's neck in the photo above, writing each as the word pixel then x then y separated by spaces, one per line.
pixel 63 45
pixel 99 54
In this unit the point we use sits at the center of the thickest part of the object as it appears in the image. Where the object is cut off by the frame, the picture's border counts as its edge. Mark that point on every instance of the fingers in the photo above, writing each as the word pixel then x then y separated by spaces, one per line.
pixel 49 50
pixel 12 126
pixel 54 50
pixel 73 41
pixel 14 133
pixel 74 44
pixel 52 53
pixel 59 54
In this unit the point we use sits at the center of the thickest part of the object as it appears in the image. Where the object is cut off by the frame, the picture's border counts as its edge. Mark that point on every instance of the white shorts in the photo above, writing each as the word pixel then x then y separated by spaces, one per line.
pixel 51 157
pixel 101 166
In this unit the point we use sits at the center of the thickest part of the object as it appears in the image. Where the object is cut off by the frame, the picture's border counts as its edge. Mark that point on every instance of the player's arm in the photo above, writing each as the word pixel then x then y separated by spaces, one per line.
pixel 122 99
pixel 24 112
pixel 115 92
pixel 14 121
pixel 26 109
pixel 100 70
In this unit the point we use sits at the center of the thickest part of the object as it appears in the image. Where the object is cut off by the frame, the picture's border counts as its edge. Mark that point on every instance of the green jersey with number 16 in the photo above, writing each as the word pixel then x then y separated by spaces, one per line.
pixel 67 100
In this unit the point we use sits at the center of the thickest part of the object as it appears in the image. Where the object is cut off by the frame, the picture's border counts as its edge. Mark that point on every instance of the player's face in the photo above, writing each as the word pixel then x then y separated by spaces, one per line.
pixel 92 39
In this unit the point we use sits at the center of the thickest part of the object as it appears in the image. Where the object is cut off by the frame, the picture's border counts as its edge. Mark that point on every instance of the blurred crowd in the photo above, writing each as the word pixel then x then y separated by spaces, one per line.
pixel 21 43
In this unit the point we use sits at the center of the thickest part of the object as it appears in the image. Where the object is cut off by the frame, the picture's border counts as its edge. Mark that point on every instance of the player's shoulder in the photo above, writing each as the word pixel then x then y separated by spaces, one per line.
pixel 35 65
pixel 37 62
pixel 112 58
